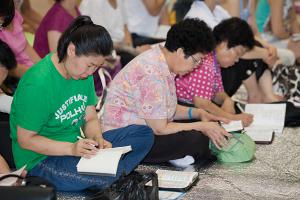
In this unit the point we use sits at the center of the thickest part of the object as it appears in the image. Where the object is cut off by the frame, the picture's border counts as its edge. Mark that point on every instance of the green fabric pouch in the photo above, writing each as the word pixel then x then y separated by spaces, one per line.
pixel 236 151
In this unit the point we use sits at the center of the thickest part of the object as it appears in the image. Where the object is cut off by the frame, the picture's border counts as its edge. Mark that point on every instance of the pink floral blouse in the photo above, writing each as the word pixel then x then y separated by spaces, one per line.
pixel 143 89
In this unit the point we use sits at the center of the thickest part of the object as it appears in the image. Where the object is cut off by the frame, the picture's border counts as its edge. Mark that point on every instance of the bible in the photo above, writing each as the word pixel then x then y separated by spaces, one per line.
pixel 268 120
pixel 176 180
pixel 104 163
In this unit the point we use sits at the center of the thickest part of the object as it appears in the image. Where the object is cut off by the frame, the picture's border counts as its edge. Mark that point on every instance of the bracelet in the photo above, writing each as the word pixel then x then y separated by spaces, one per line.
pixel 190 113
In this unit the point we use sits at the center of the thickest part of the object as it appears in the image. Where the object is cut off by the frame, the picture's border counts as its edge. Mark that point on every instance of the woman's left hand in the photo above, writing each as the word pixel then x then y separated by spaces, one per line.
pixel 102 143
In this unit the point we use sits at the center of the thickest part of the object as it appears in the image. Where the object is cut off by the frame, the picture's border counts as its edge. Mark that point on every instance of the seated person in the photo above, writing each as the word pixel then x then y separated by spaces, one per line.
pixel 32 18
pixel 144 93
pixel 143 20
pixel 203 86
pixel 44 138
pixel 212 14
pixel 7 63
pixel 12 34
pixel 110 14
pixel 277 22
pixel 56 20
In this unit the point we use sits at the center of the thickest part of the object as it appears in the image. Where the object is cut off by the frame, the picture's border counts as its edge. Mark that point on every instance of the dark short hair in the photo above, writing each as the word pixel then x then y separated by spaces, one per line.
pixel 7 11
pixel 87 37
pixel 234 31
pixel 7 56
pixel 193 35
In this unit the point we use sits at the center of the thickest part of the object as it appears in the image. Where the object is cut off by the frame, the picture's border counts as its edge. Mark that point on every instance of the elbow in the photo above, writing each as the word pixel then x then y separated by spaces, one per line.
pixel 24 142
pixel 158 131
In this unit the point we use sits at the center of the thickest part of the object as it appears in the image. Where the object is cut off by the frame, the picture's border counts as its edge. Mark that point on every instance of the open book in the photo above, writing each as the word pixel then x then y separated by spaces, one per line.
pixel 176 180
pixel 104 163
pixel 268 119
pixel 233 126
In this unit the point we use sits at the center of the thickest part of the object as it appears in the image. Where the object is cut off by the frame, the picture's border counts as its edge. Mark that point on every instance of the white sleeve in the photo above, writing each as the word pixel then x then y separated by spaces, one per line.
pixel 84 7
pixel 123 12
pixel 5 103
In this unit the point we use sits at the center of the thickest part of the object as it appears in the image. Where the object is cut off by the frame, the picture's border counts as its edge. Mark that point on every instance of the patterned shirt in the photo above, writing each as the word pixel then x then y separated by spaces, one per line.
pixel 143 89
pixel 205 81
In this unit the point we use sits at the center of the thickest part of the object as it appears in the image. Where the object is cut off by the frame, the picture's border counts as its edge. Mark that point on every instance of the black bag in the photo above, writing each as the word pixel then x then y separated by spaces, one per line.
pixel 32 188
pixel 131 187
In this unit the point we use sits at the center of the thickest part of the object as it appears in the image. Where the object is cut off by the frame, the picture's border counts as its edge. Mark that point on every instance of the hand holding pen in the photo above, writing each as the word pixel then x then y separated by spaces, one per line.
pixel 84 148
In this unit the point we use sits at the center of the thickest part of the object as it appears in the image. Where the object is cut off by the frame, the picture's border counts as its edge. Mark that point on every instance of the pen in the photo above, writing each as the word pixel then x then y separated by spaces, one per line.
pixel 234 136
pixel 240 107
pixel 238 139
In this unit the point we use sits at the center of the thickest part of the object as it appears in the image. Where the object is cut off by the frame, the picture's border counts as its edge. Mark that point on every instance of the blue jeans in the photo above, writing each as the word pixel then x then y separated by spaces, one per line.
pixel 62 172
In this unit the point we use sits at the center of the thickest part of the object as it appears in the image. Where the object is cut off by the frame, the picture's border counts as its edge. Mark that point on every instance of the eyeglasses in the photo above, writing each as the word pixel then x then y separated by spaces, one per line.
pixel 195 61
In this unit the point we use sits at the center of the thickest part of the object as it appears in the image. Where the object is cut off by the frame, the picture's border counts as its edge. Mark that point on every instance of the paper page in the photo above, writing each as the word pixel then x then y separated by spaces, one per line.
pixel 259 134
pixel 268 116
pixel 233 126
pixel 12 180
pixel 169 195
pixel 175 179
pixel 105 162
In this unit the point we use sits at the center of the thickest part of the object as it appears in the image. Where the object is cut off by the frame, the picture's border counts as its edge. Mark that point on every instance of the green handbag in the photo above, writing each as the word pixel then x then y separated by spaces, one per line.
pixel 237 150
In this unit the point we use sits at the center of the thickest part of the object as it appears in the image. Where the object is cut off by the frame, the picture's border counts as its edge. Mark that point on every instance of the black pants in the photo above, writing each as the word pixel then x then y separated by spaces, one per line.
pixel 5 140
pixel 178 145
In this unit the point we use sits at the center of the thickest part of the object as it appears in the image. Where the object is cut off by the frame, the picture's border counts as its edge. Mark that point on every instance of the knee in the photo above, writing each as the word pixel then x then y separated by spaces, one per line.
pixel 146 134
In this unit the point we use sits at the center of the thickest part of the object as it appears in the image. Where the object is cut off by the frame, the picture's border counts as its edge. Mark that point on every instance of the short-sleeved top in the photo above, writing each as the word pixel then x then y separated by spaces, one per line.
pixel 205 81
pixel 56 19
pixel 49 104
pixel 200 10
pixel 102 13
pixel 139 19
pixel 16 40
pixel 144 89
pixel 234 76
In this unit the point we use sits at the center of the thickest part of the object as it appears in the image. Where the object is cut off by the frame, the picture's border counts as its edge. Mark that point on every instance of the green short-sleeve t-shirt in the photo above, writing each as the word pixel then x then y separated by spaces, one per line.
pixel 49 104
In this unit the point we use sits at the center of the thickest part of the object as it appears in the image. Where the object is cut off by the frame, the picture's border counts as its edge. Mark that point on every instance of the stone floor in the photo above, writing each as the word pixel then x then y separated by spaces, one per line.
pixel 274 174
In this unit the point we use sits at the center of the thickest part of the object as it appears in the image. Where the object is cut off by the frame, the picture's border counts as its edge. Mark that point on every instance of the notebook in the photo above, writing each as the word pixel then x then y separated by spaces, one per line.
pixel 268 120
pixel 176 180
pixel 104 163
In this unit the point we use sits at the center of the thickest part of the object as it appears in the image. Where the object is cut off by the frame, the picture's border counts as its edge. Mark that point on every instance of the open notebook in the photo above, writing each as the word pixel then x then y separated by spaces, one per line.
pixel 104 163
pixel 268 119
pixel 176 180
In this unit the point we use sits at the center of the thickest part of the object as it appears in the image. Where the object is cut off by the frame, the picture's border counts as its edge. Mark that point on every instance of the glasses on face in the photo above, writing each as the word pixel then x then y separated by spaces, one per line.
pixel 195 61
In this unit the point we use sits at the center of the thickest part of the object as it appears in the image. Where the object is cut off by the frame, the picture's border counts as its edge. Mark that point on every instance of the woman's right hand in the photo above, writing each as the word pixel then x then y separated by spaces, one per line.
pixel 246 118
pixel 84 148
pixel 215 132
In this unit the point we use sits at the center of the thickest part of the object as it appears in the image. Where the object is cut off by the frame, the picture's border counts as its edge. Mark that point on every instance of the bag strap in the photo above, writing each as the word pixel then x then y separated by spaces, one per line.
pixel 10 176
pixel 102 73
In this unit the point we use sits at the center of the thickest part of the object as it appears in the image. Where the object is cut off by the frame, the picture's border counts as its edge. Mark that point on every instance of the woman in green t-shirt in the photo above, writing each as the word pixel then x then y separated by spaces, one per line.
pixel 56 98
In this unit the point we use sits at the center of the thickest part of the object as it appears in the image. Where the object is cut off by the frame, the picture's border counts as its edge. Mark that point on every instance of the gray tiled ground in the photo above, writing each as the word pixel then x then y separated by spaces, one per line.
pixel 274 174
